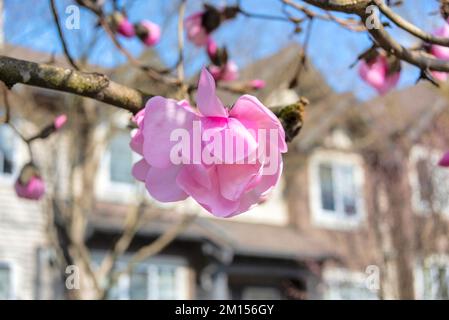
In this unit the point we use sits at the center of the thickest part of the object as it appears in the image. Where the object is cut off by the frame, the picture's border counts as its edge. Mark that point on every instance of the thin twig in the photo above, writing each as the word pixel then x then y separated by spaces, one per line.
pixel 61 36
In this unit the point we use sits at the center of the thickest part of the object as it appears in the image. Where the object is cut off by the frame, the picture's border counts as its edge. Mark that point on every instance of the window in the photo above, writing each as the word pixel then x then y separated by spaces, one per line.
pixel 343 284
pixel 261 293
pixel 121 159
pixel 336 193
pixel 433 278
pixel 6 151
pixel 428 180
pixel 158 281
pixel 5 282
pixel 115 182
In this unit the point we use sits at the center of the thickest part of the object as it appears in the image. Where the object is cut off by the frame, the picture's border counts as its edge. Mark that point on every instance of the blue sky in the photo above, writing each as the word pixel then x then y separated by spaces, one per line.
pixel 331 49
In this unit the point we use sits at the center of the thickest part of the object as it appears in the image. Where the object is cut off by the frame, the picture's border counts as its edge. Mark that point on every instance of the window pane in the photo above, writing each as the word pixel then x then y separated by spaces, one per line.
pixel 5 283
pixel 348 190
pixel 6 150
pixel 138 286
pixel 121 159
pixel 167 282
pixel 327 187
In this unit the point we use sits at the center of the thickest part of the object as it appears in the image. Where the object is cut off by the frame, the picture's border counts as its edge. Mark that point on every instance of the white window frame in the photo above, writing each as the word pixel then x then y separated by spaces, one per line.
pixel 419 276
pixel 334 219
pixel 182 280
pixel 334 277
pixel 419 153
pixel 114 191
pixel 12 277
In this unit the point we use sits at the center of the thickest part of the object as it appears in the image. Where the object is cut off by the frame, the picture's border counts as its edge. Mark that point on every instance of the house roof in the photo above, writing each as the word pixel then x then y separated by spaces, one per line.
pixel 249 239
pixel 278 71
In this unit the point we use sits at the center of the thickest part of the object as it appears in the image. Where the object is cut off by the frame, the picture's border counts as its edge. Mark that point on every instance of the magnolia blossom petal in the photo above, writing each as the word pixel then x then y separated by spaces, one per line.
pixel 209 197
pixel 390 82
pixel 140 170
pixel 208 102
pixel 161 184
pixel 162 117
pixel 373 73
pixel 261 190
pixel 444 162
pixel 236 179
pixel 235 142
pixel 254 115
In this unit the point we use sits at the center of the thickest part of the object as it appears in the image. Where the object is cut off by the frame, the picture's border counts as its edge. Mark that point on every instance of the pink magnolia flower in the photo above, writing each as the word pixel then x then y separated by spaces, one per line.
pixel 227 72
pixel 377 74
pixel 257 84
pixel 196 32
pixel 29 185
pixel 60 121
pixel 441 52
pixel 148 32
pixel 224 188
pixel 444 161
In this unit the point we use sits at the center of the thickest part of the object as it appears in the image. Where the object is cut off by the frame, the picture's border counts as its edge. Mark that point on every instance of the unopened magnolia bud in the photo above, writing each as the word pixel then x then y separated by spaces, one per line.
pixel 60 121
pixel 29 184
pixel 148 32
pixel 212 48
pixel 257 84
pixel 444 161
pixel 121 24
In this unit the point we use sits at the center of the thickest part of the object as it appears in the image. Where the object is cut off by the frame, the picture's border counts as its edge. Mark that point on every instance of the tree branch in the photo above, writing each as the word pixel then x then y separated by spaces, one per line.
pixel 61 35
pixel 101 88
pixel 410 27
pixel 91 85
pixel 418 58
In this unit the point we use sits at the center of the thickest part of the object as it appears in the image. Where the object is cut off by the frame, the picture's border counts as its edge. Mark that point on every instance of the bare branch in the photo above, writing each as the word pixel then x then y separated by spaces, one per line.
pixel 96 86
pixel 91 85
pixel 410 27
pixel 61 35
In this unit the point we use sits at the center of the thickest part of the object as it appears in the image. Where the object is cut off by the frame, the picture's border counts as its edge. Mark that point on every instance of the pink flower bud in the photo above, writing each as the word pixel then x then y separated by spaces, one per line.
pixel 60 121
pixel 444 161
pixel 29 185
pixel 257 84
pixel 378 75
pixel 212 48
pixel 196 33
pixel 126 28
pixel 148 32
pixel 441 52
pixel 227 72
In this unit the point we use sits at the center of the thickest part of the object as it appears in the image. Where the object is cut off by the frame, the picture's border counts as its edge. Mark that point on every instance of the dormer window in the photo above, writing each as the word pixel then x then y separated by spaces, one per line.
pixel 336 190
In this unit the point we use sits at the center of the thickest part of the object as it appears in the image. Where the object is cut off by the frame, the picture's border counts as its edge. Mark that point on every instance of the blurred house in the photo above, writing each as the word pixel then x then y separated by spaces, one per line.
pixel 353 218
